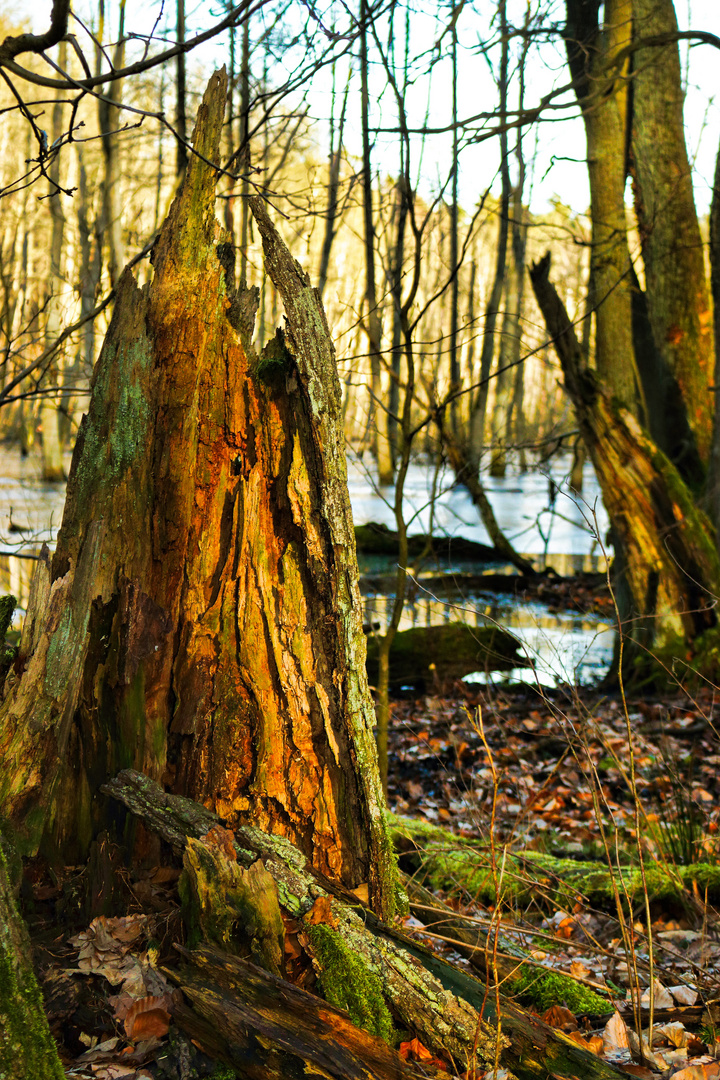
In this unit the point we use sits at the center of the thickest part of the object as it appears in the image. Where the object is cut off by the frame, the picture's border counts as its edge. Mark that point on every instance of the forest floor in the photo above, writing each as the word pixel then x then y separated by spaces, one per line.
pixel 513 771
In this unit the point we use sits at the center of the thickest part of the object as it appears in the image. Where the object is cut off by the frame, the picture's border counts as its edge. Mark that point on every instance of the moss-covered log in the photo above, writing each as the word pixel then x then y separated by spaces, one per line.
pixel 440 654
pixel 449 862
pixel 27 1048
pixel 385 981
pixel 201 618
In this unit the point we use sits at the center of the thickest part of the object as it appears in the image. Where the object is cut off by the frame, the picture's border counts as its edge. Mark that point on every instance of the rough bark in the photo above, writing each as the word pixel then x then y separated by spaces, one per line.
pixel 27 1048
pixel 452 1013
pixel 676 287
pixel 671 566
pixel 604 104
pixel 201 618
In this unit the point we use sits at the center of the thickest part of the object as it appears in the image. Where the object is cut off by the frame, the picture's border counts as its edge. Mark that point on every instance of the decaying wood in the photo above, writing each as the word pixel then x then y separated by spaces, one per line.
pixel 200 619
pixel 436 1002
pixel 272 1030
pixel 672 568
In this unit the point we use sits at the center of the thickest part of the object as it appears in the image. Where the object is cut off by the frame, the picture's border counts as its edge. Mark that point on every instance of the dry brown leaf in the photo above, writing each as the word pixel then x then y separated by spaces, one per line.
pixel 147 1018
pixel 640 1070
pixel 414 1051
pixel 594 1044
pixel 684 995
pixel 321 912
pixel 362 893
pixel 662 999
pixel 615 1034
pixel 579 971
pixel 699 1070
pixel 558 1016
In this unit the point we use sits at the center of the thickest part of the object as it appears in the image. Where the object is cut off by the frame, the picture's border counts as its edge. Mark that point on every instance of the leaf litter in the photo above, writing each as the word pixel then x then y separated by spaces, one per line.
pixel 542 773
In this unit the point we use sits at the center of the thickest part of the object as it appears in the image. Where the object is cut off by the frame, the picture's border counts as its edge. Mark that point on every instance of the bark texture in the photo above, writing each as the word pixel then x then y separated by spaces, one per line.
pixel 452 1013
pixel 603 97
pixel 676 286
pixel 671 566
pixel 201 618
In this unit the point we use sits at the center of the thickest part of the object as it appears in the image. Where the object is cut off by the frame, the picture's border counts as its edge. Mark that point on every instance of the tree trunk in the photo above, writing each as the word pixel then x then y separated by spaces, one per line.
pixel 604 103
pixel 372 970
pixel 53 471
pixel 672 248
pixel 201 617
pixel 109 121
pixel 27 1048
pixel 671 567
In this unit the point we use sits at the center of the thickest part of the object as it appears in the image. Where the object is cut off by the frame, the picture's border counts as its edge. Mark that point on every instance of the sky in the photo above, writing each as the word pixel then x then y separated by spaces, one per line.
pixel 556 152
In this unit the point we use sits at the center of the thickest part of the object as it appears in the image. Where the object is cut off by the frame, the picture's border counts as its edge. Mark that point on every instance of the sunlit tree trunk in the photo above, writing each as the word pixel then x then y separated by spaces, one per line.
pixel 109 121
pixel 53 470
pixel 676 288
pixel 377 417
pixel 604 103
pixel 479 407
pixel 200 619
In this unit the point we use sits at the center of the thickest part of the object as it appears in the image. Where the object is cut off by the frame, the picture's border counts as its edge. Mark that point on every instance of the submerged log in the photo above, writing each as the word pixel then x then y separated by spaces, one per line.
pixel 441 654
pixel 374 538
pixel 383 979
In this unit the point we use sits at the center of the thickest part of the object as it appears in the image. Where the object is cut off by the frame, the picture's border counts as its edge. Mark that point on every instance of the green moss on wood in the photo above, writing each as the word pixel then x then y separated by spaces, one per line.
pixel 27 1048
pixel 546 988
pixel 349 983
pixel 448 862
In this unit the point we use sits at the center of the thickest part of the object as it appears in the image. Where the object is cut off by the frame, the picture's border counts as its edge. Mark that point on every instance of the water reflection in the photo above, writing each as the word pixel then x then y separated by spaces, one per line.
pixel 545 522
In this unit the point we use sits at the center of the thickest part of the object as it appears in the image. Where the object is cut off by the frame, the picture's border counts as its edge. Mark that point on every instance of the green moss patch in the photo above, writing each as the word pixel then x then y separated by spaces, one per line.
pixel 349 983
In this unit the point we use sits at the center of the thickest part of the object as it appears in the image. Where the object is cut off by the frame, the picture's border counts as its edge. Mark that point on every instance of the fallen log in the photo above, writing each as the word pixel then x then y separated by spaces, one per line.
pixel 450 862
pixel 438 655
pixel 385 981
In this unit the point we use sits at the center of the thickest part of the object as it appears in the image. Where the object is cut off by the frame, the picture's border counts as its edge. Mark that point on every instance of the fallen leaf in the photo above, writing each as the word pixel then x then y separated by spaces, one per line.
pixel 362 893
pixel 147 1018
pixel 615 1034
pixel 641 1071
pixel 684 995
pixel 414 1051
pixel 594 1044
pixel 674 1032
pixel 662 999
pixel 558 1016
pixel 321 912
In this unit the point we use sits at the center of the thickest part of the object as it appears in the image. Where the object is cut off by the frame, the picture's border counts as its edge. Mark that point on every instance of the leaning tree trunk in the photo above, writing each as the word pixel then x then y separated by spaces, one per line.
pixel 200 619
pixel 671 567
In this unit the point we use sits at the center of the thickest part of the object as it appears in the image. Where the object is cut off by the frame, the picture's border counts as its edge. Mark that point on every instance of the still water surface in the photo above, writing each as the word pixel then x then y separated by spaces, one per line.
pixel 536 511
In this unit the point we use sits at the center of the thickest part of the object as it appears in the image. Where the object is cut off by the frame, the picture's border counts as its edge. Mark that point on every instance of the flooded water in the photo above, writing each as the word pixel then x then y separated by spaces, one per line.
pixel 542 519
pixel 535 510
